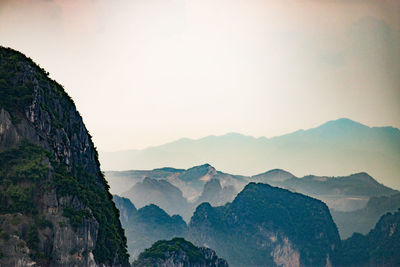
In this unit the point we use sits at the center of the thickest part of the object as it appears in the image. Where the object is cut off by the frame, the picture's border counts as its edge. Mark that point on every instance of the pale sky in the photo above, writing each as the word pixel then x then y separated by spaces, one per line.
pixel 146 72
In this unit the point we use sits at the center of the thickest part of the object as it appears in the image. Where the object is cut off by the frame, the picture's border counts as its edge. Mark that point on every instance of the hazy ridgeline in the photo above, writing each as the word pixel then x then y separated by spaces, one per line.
pixel 336 148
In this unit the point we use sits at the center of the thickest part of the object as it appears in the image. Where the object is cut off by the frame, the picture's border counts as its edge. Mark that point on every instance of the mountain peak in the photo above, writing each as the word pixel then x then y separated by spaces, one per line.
pixel 343 122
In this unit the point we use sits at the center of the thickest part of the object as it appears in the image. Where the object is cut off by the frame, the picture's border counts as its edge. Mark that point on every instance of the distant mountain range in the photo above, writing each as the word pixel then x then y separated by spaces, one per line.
pixel 336 148
pixel 380 247
pixel 262 226
pixel 180 191
pixel 363 220
pixel 145 226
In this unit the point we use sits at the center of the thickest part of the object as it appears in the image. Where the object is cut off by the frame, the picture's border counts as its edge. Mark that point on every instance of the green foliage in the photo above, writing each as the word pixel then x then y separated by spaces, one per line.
pixel 82 184
pixel 237 231
pixel 4 235
pixel 42 223
pixel 22 164
pixel 162 248
pixel 76 216
pixel 32 239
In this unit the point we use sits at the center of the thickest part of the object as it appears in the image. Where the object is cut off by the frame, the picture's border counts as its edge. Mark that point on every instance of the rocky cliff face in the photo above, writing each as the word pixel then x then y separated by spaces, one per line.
pixel 178 253
pixel 267 226
pixel 55 208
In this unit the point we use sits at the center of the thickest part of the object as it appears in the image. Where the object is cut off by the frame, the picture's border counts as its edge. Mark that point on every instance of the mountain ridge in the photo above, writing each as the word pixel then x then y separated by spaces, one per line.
pixel 336 148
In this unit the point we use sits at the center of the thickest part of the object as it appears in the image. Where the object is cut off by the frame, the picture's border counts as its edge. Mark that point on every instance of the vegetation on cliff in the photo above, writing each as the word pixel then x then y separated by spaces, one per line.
pixel 45 150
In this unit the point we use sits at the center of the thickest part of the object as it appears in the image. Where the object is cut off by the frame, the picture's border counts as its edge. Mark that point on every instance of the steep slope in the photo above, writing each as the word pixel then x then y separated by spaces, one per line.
pixel 267 226
pixel 160 193
pixel 55 208
pixel 145 226
pixel 363 220
pixel 336 148
pixel 178 252
pixel 126 209
pixel 380 247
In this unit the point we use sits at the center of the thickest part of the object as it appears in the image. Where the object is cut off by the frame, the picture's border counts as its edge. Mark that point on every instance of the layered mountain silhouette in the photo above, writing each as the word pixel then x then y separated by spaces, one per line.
pixel 266 226
pixel 263 226
pixel 344 193
pixel 380 247
pixel 165 187
pixel 161 193
pixel 337 148
pixel 363 220
pixel 145 226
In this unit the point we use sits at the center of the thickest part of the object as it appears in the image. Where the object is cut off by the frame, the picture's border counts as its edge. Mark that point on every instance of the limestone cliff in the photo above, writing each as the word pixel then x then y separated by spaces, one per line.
pixel 55 208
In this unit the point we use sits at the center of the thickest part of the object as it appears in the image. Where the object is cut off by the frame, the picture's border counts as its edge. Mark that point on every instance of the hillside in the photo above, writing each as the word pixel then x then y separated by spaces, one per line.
pixel 145 226
pixel 190 181
pixel 363 220
pixel 267 226
pixel 55 208
pixel 161 193
pixel 345 193
pixel 380 247
pixel 336 148
pixel 178 252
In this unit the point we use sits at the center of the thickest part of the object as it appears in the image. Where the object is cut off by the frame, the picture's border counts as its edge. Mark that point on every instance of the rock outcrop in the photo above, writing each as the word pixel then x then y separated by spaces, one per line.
pixel 55 208
pixel 178 253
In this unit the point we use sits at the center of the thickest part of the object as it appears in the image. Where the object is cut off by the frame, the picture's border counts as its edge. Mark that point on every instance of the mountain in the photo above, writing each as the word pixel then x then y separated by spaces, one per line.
pixel 121 180
pixel 206 184
pixel 190 181
pixel 55 208
pixel 272 176
pixel 126 209
pixel 145 226
pixel 363 220
pixel 215 194
pixel 346 193
pixel 380 247
pixel 267 226
pixel 337 148
pixel 161 193
pixel 178 252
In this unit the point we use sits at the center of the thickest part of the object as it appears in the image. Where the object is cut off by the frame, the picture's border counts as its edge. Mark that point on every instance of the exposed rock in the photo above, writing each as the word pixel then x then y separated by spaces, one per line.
pixel 55 209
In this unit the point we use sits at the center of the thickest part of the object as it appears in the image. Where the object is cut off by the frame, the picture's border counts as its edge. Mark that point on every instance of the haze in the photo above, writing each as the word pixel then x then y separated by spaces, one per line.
pixel 146 72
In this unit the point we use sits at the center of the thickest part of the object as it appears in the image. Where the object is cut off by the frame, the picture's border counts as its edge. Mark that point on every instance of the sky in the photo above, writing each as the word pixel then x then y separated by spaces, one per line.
pixel 146 72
